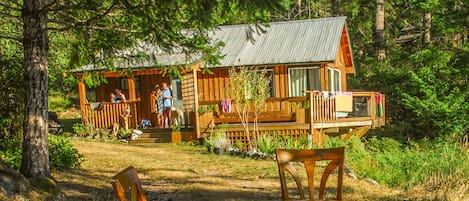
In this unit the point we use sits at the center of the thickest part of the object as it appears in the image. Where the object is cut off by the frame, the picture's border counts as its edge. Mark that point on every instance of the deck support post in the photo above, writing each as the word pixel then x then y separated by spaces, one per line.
pixel 132 99
pixel 196 105
pixel 317 134
pixel 82 99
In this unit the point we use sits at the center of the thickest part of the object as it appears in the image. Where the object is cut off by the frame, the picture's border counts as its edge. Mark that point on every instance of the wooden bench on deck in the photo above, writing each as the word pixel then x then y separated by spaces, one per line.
pixel 265 117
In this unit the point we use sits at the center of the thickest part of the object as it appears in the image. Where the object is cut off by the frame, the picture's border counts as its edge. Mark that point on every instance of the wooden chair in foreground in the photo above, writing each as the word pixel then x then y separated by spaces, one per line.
pixel 309 158
pixel 125 180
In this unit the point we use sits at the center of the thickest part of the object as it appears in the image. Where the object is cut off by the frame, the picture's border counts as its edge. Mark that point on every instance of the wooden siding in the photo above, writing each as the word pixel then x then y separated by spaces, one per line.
pixel 212 86
pixel 281 81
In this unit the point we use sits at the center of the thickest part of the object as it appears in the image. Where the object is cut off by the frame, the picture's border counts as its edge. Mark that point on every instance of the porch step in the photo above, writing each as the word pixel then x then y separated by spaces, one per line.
pixel 153 135
pixel 157 130
pixel 150 140
pixel 156 135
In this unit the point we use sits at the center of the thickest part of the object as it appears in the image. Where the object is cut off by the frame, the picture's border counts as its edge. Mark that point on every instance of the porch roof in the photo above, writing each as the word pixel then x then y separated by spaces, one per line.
pixel 288 42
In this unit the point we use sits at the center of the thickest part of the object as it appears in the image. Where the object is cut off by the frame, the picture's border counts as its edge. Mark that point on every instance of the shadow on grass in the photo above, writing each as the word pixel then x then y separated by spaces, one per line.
pixel 82 185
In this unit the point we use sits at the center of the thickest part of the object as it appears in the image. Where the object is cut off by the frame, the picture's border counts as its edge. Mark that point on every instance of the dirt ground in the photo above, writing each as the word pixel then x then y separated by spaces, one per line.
pixel 175 172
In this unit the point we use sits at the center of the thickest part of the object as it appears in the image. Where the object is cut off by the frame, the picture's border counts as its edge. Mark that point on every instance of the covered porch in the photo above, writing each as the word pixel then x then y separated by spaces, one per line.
pixel 98 111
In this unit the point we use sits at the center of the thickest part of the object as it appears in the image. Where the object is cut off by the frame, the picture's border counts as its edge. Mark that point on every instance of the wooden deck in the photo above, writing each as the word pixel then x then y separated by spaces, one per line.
pixel 315 114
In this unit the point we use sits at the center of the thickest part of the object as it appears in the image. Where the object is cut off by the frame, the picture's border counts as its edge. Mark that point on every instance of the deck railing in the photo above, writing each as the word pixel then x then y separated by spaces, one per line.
pixel 364 106
pixel 318 107
pixel 105 114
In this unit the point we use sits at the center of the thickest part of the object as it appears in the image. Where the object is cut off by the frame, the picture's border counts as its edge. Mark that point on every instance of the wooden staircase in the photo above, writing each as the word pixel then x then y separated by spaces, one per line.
pixel 153 135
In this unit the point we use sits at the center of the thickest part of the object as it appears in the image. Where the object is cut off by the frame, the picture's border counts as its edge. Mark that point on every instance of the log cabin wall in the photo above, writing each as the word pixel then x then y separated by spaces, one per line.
pixel 340 63
pixel 212 87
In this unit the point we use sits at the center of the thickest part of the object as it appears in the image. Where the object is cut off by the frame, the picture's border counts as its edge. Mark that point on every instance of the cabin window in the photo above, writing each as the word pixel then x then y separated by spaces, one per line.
pixel 303 79
pixel 334 79
pixel 125 83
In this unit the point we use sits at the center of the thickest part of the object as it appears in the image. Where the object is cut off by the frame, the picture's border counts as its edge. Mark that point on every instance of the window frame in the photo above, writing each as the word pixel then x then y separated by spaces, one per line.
pixel 301 68
pixel 331 85
pixel 125 83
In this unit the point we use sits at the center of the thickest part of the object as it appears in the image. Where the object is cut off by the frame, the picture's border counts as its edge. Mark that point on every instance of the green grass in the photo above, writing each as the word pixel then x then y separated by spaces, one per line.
pixel 174 172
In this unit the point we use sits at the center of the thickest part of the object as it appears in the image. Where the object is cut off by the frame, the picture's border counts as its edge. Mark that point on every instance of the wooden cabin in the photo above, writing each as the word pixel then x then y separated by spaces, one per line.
pixel 308 62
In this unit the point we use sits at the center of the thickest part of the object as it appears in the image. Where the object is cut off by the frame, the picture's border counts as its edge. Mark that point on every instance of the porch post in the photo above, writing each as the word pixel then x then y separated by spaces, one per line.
pixel 82 98
pixel 196 104
pixel 132 101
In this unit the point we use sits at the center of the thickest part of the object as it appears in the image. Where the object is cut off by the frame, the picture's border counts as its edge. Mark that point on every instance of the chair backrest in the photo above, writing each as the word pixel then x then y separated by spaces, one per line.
pixel 125 180
pixel 309 158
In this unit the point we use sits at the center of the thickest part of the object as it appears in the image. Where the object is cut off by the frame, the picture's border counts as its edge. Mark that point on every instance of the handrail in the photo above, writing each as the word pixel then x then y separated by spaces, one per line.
pixel 106 114
pixel 268 100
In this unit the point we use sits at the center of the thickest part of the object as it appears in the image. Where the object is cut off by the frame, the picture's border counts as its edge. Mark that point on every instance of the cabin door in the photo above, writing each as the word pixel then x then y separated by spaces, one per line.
pixel 176 87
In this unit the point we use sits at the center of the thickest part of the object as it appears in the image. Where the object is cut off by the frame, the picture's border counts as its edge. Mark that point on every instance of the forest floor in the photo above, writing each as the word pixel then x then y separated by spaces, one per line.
pixel 184 172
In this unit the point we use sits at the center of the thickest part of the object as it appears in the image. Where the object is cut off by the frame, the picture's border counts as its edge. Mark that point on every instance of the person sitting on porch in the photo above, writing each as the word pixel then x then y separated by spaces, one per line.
pixel 167 95
pixel 145 123
pixel 117 96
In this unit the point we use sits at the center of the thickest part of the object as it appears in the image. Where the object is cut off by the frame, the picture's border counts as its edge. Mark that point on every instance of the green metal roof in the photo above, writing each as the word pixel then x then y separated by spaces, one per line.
pixel 300 41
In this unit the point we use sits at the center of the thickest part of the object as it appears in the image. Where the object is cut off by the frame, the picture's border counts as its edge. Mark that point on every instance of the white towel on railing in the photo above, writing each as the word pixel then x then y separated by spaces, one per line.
pixel 344 101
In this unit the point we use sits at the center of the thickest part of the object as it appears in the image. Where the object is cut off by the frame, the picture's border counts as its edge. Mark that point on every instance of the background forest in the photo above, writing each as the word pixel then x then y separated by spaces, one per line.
pixel 414 51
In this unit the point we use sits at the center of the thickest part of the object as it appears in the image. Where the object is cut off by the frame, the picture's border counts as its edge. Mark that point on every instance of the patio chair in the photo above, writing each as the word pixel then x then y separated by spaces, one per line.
pixel 309 158
pixel 125 180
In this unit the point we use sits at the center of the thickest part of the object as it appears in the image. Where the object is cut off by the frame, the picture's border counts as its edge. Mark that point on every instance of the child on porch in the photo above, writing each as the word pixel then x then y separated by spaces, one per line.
pixel 117 96
pixel 157 101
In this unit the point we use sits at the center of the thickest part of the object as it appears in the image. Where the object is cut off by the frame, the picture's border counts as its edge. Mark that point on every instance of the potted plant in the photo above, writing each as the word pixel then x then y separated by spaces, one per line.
pixel 217 141
pixel 220 144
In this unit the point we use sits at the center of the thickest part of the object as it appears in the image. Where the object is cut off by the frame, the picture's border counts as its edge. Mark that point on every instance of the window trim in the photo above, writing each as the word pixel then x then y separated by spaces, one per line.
pixel 331 87
pixel 300 68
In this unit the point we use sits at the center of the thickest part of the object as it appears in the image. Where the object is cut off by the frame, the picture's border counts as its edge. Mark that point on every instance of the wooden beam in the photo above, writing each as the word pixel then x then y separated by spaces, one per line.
pixel 358 131
pixel 82 98
pixel 132 98
pixel 196 104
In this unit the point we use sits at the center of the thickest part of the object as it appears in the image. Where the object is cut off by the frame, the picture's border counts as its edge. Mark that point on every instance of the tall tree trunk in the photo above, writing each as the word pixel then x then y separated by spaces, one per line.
pixel 379 30
pixel 427 24
pixel 335 8
pixel 298 2
pixel 35 161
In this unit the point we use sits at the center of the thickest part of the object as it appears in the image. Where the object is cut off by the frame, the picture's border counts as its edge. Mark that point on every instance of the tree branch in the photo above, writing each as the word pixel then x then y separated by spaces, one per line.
pixel 88 21
pixel 9 7
pixel 11 38
pixel 8 15
pixel 50 4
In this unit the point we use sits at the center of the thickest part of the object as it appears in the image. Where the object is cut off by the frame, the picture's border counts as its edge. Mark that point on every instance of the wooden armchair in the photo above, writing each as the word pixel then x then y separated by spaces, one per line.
pixel 309 158
pixel 125 180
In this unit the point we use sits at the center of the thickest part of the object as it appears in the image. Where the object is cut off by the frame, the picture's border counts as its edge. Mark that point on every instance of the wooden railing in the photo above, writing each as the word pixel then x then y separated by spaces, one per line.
pixel 105 114
pixel 316 107
pixel 365 106
pixel 286 105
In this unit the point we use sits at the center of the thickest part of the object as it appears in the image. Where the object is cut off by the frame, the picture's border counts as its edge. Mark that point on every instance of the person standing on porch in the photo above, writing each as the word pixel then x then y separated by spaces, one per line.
pixel 167 95
pixel 157 105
